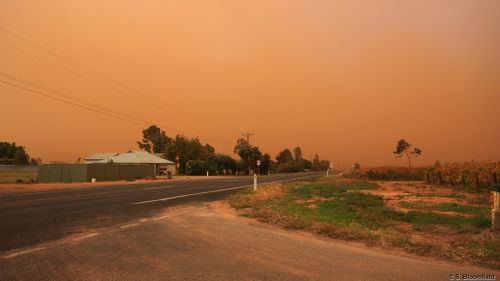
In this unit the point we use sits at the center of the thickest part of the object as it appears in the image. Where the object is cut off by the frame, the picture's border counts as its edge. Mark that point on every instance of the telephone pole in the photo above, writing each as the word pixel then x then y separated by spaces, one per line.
pixel 247 137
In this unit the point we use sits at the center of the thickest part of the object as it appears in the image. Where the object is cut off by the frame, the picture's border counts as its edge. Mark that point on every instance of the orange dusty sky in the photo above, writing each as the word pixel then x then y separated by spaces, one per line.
pixel 345 79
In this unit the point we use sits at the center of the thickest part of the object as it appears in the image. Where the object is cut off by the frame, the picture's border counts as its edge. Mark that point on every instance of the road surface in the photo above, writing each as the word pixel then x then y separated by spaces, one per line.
pixel 172 232
pixel 198 241
pixel 32 218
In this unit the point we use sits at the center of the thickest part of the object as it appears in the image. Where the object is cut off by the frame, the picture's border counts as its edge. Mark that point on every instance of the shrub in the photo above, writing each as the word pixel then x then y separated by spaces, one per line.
pixel 391 174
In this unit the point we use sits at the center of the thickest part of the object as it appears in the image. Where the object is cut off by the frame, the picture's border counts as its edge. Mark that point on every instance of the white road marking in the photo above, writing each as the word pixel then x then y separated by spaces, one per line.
pixel 129 225
pixel 161 218
pixel 217 190
pixel 191 194
pixel 163 187
pixel 87 236
pixel 15 254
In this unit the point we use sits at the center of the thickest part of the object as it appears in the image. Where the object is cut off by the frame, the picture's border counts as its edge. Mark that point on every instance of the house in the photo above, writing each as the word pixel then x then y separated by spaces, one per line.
pixel 161 166
pixel 96 157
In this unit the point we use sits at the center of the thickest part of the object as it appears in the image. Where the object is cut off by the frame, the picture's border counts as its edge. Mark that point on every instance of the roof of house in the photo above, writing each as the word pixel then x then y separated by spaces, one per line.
pixel 161 155
pixel 100 156
pixel 136 157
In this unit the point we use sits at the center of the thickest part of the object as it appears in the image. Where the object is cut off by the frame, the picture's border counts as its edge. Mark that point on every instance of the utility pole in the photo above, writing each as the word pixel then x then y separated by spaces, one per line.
pixel 247 137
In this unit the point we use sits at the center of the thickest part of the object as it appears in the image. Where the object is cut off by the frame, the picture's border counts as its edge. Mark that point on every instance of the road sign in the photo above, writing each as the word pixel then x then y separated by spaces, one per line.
pixel 258 162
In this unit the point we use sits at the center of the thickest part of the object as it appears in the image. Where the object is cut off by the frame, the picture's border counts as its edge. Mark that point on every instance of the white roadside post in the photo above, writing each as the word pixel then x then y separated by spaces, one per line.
pixel 495 207
pixel 207 173
pixel 330 167
pixel 255 182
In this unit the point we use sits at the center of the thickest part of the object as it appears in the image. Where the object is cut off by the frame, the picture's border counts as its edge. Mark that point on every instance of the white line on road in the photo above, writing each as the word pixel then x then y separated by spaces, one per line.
pixel 129 225
pixel 15 254
pixel 163 187
pixel 87 236
pixel 217 190
pixel 161 218
pixel 191 194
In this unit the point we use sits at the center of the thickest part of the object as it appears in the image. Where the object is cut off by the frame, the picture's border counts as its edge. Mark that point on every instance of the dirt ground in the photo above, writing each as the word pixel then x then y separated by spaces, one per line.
pixel 396 192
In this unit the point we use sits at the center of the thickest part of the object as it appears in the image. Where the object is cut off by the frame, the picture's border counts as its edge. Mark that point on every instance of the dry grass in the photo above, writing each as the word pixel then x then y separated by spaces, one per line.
pixel 18 176
pixel 417 218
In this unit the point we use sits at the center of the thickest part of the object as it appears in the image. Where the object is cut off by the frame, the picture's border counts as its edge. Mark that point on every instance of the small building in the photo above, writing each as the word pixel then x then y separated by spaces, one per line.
pixel 161 166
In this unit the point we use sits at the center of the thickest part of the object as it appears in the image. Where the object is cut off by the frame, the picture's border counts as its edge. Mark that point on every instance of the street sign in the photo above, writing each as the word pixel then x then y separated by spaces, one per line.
pixel 258 162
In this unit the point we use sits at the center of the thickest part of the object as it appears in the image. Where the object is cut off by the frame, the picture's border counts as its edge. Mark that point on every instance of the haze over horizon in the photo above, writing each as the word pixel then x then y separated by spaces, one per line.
pixel 345 80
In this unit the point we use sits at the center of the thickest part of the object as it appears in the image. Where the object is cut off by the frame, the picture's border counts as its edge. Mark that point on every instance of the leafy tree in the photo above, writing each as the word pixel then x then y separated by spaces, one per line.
pixel 288 167
pixel 255 154
pixel 35 161
pixel 154 140
pixel 249 154
pixel 316 163
pixel 320 165
pixel 243 149
pixel 224 164
pixel 12 154
pixel 189 149
pixel 405 149
pixel 266 164
pixel 306 164
pixel 324 165
pixel 195 167
pixel 297 153
pixel 284 156
pixel 20 157
pixel 356 168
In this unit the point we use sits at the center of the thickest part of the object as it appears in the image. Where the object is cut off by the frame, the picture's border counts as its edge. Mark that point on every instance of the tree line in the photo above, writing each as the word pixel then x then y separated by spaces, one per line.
pixel 196 158
pixel 13 154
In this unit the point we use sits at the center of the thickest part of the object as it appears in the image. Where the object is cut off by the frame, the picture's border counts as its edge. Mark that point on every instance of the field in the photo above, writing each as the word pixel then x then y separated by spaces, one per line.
pixel 17 176
pixel 412 216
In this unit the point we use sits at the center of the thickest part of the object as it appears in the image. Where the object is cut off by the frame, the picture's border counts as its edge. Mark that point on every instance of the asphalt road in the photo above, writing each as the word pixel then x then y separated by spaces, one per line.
pixel 206 241
pixel 28 219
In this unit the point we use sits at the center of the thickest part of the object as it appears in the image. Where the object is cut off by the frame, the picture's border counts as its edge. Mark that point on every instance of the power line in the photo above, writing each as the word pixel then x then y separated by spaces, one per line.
pixel 67 102
pixel 77 100
pixel 119 116
pixel 110 81
pixel 86 70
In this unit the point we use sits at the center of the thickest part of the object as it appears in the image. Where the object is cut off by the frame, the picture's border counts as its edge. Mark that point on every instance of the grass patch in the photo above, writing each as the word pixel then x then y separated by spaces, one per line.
pixel 18 176
pixel 421 214
pixel 339 209
pixel 430 195
pixel 465 209
pixel 420 219
pixel 481 200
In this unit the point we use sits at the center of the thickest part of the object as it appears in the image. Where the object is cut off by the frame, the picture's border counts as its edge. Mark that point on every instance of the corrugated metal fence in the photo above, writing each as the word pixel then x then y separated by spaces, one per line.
pixel 101 172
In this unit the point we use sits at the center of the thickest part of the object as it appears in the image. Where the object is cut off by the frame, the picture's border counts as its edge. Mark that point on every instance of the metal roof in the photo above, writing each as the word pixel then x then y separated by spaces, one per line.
pixel 100 156
pixel 136 157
